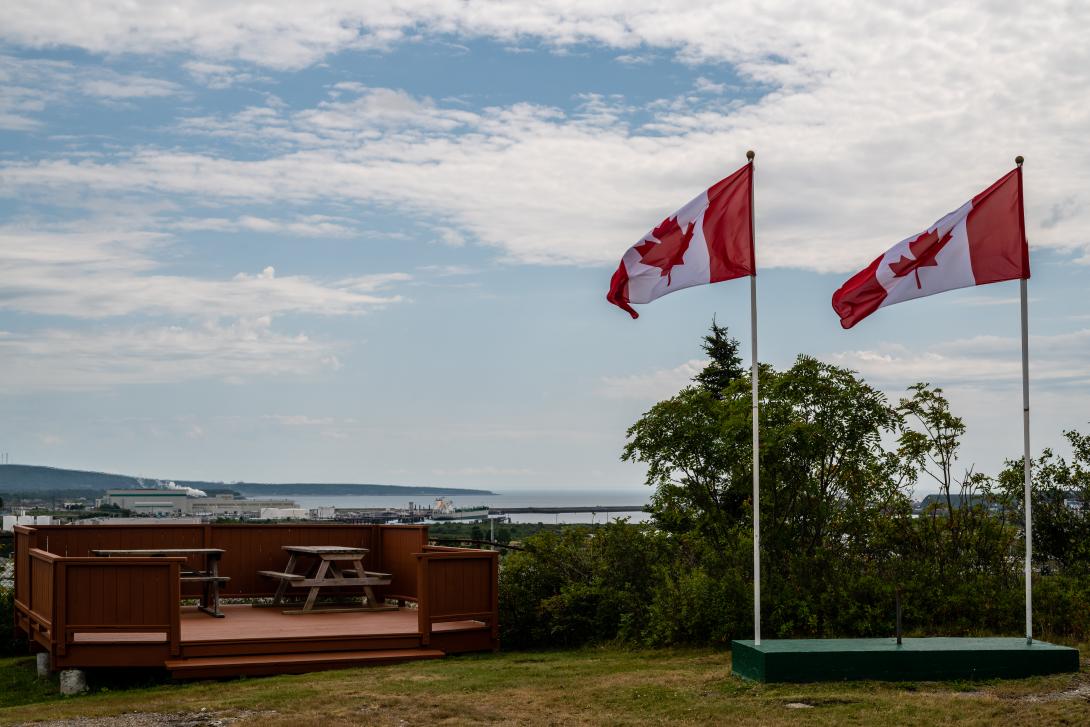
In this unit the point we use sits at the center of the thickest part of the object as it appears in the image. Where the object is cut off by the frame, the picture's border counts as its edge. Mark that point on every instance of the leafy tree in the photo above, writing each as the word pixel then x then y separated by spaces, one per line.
pixel 963 530
pixel 825 476
pixel 838 463
pixel 1061 504
pixel 697 447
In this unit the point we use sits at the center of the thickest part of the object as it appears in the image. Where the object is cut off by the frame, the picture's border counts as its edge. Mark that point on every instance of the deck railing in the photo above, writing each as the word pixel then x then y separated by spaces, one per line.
pixel 248 548
pixel 457 584
pixel 67 599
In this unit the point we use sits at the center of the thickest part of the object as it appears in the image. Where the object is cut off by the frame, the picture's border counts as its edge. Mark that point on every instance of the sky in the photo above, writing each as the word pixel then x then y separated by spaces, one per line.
pixel 370 242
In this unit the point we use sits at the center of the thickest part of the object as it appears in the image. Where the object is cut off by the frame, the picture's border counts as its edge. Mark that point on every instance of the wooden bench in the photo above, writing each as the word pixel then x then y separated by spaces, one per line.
pixel 330 574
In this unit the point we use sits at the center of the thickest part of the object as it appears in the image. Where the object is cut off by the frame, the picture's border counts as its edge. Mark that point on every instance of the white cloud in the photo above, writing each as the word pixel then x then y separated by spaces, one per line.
pixel 299 226
pixel 117 86
pixel 90 359
pixel 485 471
pixel 106 273
pixel 299 420
pixel 853 154
pixel 203 328
pixel 448 271
pixel 705 85
pixel 1055 360
pixel 29 86
pixel 875 120
pixel 218 76
pixel 652 386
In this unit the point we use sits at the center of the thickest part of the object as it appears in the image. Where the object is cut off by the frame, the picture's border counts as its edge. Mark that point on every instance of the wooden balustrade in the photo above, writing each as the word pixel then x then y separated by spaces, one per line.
pixel 248 548
pixel 69 597
pixel 457 584
pixel 69 601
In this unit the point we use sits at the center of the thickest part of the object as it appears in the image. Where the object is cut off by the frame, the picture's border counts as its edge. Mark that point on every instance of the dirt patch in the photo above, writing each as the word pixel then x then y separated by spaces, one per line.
pixel 1082 691
pixel 201 718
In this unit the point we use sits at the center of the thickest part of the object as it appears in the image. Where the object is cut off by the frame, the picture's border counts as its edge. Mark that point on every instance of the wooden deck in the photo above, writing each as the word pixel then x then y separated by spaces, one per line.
pixel 246 623
pixel 124 612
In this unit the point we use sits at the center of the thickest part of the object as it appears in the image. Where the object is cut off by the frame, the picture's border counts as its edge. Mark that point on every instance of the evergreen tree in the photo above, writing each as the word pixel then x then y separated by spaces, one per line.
pixel 726 364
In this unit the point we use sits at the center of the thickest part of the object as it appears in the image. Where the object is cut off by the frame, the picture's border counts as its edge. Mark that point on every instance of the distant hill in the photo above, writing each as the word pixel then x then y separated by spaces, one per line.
pixel 31 478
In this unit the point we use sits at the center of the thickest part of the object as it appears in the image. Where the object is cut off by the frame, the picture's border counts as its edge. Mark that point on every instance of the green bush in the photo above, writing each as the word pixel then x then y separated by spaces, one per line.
pixel 9 643
pixel 839 539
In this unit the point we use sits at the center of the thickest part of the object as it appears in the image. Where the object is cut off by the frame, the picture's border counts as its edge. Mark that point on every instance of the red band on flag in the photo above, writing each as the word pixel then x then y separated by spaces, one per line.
pixel 859 297
pixel 997 245
pixel 983 241
pixel 618 290
pixel 728 226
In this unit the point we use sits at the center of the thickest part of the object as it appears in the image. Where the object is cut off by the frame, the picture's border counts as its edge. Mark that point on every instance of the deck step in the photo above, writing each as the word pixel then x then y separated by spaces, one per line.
pixel 264 664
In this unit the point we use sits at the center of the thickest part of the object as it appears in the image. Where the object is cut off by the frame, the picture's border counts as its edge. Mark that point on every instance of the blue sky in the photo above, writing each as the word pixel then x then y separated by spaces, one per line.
pixel 269 242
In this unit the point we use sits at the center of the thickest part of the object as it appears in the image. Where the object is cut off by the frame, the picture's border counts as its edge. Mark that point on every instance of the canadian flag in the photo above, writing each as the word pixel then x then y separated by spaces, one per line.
pixel 983 241
pixel 707 241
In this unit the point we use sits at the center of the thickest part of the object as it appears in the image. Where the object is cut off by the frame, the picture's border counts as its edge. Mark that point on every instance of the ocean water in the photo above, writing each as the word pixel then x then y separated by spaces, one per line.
pixel 636 497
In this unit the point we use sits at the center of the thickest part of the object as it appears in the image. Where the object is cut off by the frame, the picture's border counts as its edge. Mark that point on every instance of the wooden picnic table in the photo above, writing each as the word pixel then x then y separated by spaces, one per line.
pixel 330 573
pixel 210 577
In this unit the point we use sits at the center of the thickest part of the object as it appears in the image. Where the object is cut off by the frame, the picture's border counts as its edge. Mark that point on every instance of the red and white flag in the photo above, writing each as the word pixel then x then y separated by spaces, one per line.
pixel 706 241
pixel 983 241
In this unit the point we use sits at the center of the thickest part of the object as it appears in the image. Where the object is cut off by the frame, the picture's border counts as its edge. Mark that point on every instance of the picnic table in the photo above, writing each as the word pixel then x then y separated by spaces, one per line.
pixel 330 573
pixel 210 577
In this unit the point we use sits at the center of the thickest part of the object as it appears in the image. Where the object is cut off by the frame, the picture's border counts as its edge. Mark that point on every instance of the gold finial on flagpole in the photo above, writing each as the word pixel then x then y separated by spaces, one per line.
pixel 1018 160
pixel 750 154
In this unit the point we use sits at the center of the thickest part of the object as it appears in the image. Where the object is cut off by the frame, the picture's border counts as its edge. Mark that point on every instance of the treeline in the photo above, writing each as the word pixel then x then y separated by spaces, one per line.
pixel 839 541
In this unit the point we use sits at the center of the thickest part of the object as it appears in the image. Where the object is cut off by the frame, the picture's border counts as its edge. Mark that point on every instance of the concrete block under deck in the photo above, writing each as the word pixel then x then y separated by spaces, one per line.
pixel 823 660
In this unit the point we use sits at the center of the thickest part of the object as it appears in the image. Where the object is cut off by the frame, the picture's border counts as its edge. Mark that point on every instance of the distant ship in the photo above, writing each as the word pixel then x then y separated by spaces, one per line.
pixel 444 510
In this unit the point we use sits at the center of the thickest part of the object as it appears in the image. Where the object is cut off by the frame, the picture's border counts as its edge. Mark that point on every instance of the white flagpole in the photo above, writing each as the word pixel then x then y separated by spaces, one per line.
pixel 756 437
pixel 1026 453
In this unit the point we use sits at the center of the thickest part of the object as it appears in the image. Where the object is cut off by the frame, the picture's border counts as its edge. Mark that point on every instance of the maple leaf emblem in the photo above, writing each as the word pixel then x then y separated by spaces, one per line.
pixel 924 249
pixel 666 245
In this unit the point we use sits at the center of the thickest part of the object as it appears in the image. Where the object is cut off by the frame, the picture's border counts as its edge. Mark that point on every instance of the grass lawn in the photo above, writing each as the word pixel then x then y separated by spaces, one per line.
pixel 584 687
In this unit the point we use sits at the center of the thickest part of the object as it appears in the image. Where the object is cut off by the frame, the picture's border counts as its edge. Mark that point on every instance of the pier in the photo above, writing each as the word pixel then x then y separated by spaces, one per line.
pixel 421 514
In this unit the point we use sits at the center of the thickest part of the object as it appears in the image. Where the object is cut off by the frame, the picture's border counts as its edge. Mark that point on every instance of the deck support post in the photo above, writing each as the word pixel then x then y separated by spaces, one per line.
pixel 44 664
pixel 73 681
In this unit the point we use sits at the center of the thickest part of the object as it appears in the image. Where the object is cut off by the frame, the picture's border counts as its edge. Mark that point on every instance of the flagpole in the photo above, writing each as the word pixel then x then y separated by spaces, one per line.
pixel 1022 284
pixel 756 437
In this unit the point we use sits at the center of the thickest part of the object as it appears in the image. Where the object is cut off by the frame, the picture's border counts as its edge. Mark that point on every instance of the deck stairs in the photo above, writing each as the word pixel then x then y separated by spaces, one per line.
pixel 211 667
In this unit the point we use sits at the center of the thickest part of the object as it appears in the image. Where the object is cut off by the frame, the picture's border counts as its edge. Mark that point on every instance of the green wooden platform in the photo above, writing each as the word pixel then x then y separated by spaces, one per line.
pixel 826 660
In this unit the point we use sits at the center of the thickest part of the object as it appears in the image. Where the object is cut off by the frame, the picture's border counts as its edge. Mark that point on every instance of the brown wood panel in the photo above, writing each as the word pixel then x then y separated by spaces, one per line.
pixel 459 585
pixel 78 541
pixel 399 546
pixel 85 655
pixel 462 641
pixel 41 585
pixel 115 592
pixel 23 538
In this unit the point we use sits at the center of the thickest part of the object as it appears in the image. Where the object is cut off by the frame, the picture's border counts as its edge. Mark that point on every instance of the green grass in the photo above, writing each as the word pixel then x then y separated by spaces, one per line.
pixel 19 683
pixel 583 687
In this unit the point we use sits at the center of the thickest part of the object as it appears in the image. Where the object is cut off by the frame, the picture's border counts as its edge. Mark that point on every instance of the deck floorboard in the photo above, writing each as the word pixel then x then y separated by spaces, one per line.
pixel 243 623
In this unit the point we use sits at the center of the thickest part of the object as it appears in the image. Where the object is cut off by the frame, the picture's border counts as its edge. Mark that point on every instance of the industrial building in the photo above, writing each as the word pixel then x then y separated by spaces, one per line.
pixel 164 502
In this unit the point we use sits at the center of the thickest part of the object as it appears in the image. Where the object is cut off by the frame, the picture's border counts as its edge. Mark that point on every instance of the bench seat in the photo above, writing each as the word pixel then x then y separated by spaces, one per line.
pixel 205 579
pixel 281 576
pixel 351 572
